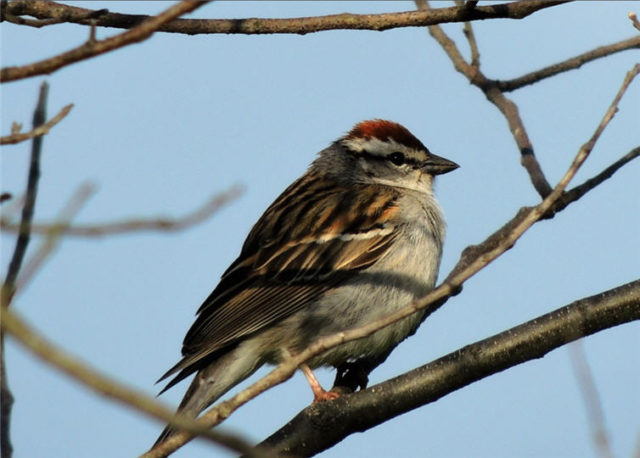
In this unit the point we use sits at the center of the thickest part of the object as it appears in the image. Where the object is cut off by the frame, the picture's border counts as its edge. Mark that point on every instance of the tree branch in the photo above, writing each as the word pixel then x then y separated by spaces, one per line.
pixel 495 96
pixel 577 192
pixel 48 352
pixel 494 89
pixel 33 264
pixel 473 259
pixel 569 64
pixel 323 425
pixel 634 20
pixel 17 137
pixel 165 224
pixel 591 399
pixel 9 283
pixel 92 48
pixel 22 241
pixel 302 25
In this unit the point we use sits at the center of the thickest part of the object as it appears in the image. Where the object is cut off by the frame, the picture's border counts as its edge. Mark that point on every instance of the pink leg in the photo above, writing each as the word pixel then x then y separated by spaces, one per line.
pixel 319 394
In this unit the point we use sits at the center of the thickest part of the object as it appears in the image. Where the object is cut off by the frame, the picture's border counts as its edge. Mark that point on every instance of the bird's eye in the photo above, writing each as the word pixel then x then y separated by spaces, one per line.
pixel 397 158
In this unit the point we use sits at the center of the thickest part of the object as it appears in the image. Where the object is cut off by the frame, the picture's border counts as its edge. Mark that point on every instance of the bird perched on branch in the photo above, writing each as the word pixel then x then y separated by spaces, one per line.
pixel 356 238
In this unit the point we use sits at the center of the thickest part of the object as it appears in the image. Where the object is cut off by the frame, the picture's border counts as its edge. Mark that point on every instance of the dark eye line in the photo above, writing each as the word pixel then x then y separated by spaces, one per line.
pixel 404 160
pixel 397 158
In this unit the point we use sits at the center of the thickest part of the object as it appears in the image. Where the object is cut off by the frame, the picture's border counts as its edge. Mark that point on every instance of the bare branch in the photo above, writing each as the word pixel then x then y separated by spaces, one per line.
pixel 591 399
pixel 6 405
pixel 324 424
pixel 39 116
pixel 493 89
pixel 166 224
pixel 495 96
pixel 53 237
pixel 9 283
pixel 110 388
pixel 486 251
pixel 468 33
pixel 303 25
pixel 634 20
pixel 63 17
pixel 94 48
pixel 17 137
pixel 472 261
pixel 576 193
pixel 569 64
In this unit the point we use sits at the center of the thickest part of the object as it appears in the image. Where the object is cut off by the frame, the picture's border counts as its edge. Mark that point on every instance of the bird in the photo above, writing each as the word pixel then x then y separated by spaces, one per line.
pixel 355 238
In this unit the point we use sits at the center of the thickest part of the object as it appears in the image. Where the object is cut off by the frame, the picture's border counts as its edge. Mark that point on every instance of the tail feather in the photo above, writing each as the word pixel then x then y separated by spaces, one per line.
pixel 214 381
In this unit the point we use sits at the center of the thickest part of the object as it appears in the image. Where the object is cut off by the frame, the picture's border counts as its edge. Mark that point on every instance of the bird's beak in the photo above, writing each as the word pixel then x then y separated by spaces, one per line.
pixel 437 165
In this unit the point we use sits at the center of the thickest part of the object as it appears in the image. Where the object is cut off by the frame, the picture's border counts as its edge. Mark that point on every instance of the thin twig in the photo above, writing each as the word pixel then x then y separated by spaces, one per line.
pixel 471 262
pixel 569 64
pixel 591 399
pixel 22 241
pixel 17 137
pixel 164 224
pixel 577 192
pixel 634 20
pixel 495 96
pixel 302 25
pixel 468 33
pixel 475 255
pixel 94 48
pixel 48 352
pixel 52 239
pixel 6 403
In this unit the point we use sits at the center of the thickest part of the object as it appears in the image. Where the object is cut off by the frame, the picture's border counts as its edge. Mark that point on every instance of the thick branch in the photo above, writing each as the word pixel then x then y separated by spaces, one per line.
pixel 302 25
pixel 39 131
pixel 323 425
pixel 94 48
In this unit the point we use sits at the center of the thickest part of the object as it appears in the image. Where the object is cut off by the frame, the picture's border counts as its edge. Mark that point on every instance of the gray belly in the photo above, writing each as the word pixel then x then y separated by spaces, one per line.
pixel 406 272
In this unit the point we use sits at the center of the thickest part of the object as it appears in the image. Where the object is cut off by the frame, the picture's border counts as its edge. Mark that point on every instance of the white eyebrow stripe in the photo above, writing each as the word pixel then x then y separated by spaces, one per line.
pixel 377 147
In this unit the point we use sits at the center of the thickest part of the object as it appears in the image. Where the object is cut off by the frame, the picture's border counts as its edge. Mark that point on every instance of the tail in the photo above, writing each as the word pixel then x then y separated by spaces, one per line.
pixel 214 381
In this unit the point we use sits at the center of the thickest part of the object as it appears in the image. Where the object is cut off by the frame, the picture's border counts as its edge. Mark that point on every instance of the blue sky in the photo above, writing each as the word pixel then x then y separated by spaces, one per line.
pixel 162 125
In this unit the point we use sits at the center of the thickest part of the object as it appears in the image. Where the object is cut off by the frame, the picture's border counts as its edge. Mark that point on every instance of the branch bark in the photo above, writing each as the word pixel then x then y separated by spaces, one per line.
pixel 495 96
pixel 105 386
pixel 39 131
pixel 9 283
pixel 164 224
pixel 302 25
pixel 92 48
pixel 569 64
pixel 323 425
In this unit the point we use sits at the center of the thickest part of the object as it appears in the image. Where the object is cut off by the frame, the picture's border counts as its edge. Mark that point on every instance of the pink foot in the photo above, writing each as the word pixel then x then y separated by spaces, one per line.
pixel 319 393
pixel 322 395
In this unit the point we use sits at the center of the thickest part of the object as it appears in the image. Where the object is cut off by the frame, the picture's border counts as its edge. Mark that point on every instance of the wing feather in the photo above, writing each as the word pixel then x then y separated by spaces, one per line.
pixel 280 272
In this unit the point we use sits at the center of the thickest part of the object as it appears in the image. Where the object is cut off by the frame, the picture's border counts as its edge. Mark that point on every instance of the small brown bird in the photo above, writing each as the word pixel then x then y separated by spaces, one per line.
pixel 357 237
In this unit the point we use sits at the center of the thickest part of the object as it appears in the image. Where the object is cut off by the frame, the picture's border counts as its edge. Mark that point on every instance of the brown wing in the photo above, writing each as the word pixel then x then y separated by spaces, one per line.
pixel 280 272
